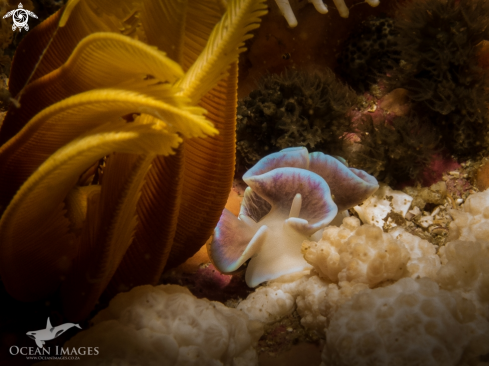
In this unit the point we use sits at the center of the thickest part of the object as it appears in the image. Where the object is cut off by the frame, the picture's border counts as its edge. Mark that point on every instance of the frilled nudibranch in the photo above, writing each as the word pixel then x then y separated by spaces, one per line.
pixel 292 195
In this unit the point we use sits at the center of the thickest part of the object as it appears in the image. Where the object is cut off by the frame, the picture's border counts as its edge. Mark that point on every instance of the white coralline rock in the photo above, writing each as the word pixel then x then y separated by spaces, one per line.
pixel 423 262
pixel 375 209
pixel 313 305
pixel 267 304
pixel 357 253
pixel 412 322
pixel 167 326
pixel 465 270
pixel 273 301
pixel 318 300
pixel 390 298
pixel 347 260
pixel 314 298
pixel 471 223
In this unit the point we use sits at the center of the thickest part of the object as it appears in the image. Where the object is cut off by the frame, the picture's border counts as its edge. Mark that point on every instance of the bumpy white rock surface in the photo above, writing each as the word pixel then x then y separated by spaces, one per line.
pixel 267 304
pixel 411 322
pixel 273 301
pixel 357 254
pixel 423 262
pixel 435 314
pixel 375 209
pixel 465 270
pixel 471 223
pixel 167 325
pixel 315 299
pixel 389 298
pixel 347 260
pixel 318 300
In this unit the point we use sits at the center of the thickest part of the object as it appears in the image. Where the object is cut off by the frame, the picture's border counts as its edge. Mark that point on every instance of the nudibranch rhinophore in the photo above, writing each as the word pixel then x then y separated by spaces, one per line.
pixel 288 14
pixel 292 195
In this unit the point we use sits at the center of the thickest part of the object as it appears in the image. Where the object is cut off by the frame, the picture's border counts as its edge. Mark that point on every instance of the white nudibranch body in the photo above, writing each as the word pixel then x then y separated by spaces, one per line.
pixel 277 228
pixel 289 200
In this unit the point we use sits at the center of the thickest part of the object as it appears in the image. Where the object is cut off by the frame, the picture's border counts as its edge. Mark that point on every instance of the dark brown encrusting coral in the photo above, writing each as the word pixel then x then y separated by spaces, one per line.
pixel 293 109
pixel 439 42
pixel 394 152
pixel 369 52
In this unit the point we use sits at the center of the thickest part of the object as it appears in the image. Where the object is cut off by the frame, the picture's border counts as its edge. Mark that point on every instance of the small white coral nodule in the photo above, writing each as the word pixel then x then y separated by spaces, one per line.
pixel 271 303
pixel 424 261
pixel 471 223
pixel 285 8
pixel 357 254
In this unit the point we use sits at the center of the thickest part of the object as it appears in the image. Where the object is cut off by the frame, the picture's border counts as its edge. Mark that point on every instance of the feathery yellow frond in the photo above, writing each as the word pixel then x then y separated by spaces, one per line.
pixel 108 58
pixel 170 14
pixel 224 44
pixel 116 221
pixel 70 5
pixel 58 124
pixel 25 231
pixel 94 92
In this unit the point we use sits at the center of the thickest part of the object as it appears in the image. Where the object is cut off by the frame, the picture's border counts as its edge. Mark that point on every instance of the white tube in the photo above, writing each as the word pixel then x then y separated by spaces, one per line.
pixel 320 6
pixel 287 12
pixel 373 3
pixel 342 8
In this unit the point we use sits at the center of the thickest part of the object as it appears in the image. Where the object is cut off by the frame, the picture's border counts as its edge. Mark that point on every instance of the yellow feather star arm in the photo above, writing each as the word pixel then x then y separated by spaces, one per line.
pixel 122 182
pixel 29 261
pixel 157 212
pixel 191 185
pixel 201 18
pixel 173 15
pixel 225 43
pixel 35 44
pixel 158 208
pixel 63 121
pixel 206 160
pixel 109 57
pixel 101 60
pixel 209 164
pixel 51 52
pixel 67 12
pixel 114 10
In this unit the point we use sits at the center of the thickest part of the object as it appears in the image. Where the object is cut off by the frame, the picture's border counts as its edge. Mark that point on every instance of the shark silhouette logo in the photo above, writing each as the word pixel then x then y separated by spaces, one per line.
pixel 49 333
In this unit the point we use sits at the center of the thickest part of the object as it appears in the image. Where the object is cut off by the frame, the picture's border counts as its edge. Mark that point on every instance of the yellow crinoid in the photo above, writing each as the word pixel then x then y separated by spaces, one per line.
pixel 149 84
